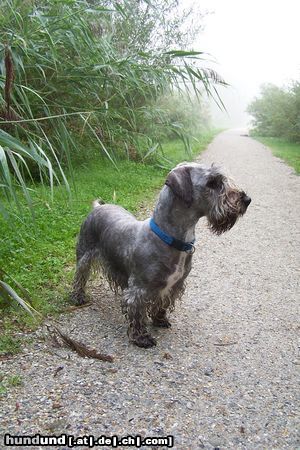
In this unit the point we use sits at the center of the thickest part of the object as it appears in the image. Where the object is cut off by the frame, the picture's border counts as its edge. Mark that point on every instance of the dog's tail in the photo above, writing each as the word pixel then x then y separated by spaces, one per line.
pixel 98 202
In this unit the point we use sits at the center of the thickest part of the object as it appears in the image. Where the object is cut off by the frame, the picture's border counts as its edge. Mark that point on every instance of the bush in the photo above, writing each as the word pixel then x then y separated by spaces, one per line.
pixel 69 68
pixel 277 112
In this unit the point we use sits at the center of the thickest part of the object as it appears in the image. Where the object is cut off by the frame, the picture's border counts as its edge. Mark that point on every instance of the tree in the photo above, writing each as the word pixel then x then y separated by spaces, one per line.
pixel 276 111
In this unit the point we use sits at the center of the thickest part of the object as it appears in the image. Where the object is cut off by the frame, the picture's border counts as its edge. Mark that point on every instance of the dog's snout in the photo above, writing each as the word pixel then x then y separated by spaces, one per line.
pixel 246 200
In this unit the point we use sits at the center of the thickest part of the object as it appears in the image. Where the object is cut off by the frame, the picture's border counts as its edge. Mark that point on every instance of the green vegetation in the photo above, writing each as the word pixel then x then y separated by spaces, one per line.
pixel 288 151
pixel 277 121
pixel 277 112
pixel 11 381
pixel 9 344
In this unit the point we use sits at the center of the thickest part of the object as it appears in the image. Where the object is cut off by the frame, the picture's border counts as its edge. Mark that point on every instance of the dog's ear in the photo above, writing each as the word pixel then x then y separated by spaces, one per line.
pixel 214 180
pixel 179 181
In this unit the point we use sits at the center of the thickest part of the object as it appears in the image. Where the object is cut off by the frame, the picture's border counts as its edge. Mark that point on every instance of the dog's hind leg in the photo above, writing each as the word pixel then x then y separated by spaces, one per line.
pixel 83 269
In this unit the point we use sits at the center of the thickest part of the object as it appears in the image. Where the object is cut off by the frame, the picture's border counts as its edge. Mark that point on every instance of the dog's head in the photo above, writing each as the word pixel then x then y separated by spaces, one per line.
pixel 208 192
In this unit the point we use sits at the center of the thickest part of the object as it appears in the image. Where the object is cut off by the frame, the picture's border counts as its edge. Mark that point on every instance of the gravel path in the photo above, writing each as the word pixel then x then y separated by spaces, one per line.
pixel 225 375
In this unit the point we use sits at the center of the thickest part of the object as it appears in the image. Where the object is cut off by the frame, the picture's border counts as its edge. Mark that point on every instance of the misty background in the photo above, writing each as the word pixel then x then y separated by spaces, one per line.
pixel 252 42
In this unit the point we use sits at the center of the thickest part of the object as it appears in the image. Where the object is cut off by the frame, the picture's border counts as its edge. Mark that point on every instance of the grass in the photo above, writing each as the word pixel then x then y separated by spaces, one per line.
pixel 174 150
pixel 288 151
pixel 41 255
pixel 9 344
pixel 8 382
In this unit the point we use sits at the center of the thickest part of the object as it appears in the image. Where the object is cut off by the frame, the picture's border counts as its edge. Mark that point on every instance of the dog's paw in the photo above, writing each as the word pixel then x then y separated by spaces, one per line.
pixel 78 299
pixel 145 341
pixel 161 322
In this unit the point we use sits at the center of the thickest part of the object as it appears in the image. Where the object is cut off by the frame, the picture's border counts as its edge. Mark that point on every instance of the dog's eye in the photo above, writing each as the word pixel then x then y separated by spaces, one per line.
pixel 214 182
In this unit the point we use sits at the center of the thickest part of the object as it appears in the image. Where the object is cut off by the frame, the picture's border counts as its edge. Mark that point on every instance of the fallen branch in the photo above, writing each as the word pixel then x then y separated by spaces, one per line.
pixel 78 347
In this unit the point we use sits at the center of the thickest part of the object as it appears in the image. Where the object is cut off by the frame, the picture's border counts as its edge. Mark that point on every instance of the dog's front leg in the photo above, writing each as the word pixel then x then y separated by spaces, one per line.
pixel 160 319
pixel 137 330
pixel 137 317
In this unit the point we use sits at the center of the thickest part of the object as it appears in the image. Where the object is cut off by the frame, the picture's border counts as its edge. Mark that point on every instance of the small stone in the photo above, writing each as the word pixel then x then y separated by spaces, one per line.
pixel 112 370
pixel 57 405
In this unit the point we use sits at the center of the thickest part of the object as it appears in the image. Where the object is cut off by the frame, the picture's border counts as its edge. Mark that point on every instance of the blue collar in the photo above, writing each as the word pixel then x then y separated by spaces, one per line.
pixel 173 242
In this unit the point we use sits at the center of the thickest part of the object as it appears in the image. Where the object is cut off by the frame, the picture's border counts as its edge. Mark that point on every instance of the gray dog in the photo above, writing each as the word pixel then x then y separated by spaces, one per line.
pixel 149 260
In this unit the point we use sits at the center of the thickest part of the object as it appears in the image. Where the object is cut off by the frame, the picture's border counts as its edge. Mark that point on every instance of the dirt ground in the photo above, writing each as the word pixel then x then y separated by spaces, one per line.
pixel 225 376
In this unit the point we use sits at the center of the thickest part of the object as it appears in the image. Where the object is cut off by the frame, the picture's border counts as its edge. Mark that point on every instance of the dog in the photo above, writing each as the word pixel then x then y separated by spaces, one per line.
pixel 150 260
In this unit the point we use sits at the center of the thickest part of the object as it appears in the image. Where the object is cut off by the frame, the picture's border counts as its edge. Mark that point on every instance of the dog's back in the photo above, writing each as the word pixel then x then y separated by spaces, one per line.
pixel 105 224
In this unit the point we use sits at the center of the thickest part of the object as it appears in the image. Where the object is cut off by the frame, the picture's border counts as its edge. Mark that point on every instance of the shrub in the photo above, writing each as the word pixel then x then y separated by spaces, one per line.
pixel 276 112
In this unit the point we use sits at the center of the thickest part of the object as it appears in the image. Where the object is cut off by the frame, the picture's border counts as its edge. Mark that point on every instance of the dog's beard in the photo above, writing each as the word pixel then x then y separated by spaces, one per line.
pixel 222 224
pixel 225 213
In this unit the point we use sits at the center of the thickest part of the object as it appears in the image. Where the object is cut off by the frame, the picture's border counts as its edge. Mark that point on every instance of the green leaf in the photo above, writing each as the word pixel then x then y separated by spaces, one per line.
pixel 183 53
pixel 7 289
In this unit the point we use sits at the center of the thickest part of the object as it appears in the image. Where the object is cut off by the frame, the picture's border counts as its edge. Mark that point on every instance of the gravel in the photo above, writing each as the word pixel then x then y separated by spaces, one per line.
pixel 225 375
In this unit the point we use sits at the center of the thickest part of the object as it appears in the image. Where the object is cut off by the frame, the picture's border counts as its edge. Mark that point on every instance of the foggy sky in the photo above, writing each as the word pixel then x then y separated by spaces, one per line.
pixel 254 42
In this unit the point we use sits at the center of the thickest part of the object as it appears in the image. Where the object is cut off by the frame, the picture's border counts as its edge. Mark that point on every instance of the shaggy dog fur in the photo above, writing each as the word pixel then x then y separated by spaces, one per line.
pixel 135 260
